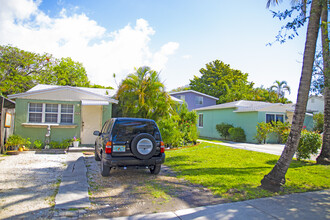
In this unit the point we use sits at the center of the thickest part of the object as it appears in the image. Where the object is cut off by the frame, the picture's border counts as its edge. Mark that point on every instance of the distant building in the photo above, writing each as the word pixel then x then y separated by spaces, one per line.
pixel 195 99
pixel 315 104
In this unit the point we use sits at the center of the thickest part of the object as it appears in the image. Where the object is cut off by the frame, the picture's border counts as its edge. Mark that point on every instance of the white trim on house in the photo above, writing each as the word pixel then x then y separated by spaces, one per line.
pixel 199 120
pixel 193 91
pixel 42 89
pixel 94 102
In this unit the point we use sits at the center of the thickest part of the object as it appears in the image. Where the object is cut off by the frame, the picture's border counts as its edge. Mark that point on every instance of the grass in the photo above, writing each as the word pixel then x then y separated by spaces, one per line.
pixel 236 174
pixel 210 139
pixel 156 190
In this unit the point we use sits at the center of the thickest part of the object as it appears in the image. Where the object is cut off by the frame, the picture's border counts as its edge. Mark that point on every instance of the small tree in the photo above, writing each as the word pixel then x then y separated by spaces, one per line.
pixel 278 128
pixel 318 119
pixel 223 129
pixel 263 129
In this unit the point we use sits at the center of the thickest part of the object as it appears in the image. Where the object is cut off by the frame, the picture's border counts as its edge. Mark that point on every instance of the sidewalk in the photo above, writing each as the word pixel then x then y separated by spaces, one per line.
pixel 310 205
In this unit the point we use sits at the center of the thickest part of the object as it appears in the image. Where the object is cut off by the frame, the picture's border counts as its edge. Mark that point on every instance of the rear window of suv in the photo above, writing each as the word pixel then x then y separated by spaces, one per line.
pixel 126 130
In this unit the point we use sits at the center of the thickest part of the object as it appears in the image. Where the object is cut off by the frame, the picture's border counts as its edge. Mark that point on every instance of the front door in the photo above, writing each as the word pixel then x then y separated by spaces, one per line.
pixel 91 121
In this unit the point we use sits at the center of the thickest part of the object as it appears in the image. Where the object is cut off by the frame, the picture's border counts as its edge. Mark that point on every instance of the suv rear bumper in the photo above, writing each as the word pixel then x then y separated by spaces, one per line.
pixel 111 161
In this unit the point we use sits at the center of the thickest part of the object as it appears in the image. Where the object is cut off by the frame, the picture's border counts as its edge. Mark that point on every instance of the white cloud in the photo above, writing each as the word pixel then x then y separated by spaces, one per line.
pixel 187 57
pixel 102 53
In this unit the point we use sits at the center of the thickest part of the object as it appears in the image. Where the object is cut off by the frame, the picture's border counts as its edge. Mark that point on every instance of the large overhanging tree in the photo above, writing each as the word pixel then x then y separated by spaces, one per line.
pixel 276 178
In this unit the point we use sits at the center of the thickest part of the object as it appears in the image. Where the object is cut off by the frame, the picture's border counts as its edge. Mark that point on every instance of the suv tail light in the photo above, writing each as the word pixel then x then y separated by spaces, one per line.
pixel 162 147
pixel 108 147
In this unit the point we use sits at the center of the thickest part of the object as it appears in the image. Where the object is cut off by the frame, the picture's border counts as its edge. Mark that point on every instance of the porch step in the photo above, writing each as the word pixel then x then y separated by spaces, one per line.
pixel 81 149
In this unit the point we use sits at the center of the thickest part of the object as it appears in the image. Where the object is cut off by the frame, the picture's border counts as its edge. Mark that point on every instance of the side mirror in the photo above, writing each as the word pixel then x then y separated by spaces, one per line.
pixel 96 133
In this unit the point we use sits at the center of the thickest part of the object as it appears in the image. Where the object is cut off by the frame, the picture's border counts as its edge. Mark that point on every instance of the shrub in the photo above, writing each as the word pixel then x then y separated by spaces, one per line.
pixel 237 134
pixel 278 128
pixel 37 144
pixel 263 129
pixel 318 122
pixel 310 142
pixel 170 132
pixel 223 129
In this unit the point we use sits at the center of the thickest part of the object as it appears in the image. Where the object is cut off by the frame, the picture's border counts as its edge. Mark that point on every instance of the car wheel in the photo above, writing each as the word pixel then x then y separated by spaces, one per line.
pixel 143 146
pixel 156 169
pixel 105 170
pixel 97 157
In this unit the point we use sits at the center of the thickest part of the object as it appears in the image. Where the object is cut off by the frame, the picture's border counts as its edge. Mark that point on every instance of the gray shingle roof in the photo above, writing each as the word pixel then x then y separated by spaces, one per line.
pixel 248 106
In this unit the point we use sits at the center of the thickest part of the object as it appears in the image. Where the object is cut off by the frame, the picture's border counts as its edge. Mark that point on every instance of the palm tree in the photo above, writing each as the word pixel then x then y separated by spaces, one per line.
pixel 324 157
pixel 142 94
pixel 276 178
pixel 280 88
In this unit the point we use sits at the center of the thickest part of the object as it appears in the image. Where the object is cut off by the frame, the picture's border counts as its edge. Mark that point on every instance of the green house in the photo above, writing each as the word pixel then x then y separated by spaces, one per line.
pixel 245 114
pixel 67 111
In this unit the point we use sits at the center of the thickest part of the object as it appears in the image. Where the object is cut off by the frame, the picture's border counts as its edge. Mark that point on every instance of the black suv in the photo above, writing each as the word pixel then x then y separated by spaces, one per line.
pixel 129 143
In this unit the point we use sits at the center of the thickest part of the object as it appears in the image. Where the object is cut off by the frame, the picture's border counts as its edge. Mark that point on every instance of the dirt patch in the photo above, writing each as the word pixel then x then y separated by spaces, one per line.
pixel 28 185
pixel 131 192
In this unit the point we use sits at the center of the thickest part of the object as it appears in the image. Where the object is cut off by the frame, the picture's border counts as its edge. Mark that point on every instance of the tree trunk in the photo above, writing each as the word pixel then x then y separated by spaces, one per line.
pixel 324 157
pixel 276 178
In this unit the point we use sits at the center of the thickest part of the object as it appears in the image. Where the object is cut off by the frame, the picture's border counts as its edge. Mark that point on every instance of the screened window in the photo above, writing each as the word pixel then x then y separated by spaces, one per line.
pixel 66 113
pixel 199 100
pixel 274 117
pixel 50 113
pixel 200 120
pixel 35 112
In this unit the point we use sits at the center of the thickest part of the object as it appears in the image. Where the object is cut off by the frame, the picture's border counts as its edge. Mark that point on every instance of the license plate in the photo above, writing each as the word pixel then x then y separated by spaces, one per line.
pixel 119 148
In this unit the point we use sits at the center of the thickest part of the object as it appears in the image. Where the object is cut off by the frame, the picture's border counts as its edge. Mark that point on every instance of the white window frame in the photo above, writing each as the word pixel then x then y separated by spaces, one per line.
pixel 43 113
pixel 275 116
pixel 199 100
pixel 200 115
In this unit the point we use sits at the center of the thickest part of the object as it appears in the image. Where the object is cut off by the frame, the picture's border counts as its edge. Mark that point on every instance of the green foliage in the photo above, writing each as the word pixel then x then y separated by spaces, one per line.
pixel 142 95
pixel 237 134
pixel 310 142
pixel 280 88
pixel 14 141
pixel 37 144
pixel 279 128
pixel 220 81
pixel 69 73
pixel 235 174
pixel 169 129
pixel 21 70
pixel 180 129
pixel 263 129
pixel 223 129
pixel 318 122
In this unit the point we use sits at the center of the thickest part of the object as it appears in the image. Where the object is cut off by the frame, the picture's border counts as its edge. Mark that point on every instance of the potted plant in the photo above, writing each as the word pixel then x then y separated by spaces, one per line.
pixel 14 144
pixel 75 141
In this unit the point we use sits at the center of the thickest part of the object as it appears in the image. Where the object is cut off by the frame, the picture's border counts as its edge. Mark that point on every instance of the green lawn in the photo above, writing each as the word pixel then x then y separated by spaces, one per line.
pixel 236 174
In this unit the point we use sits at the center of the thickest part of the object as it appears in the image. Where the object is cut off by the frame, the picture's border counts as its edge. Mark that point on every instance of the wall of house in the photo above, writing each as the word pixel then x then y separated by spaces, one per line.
pixel 39 132
pixel 190 100
pixel 315 104
pixel 245 120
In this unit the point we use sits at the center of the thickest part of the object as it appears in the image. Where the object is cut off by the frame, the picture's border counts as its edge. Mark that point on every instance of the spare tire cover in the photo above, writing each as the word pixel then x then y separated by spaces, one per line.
pixel 143 146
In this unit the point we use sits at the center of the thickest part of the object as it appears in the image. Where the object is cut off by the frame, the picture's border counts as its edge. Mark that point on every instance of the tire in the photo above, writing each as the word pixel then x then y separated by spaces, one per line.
pixel 96 156
pixel 143 146
pixel 156 169
pixel 105 170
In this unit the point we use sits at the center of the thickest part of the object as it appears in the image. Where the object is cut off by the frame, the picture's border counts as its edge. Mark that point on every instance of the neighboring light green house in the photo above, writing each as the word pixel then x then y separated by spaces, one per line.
pixel 245 114
pixel 68 111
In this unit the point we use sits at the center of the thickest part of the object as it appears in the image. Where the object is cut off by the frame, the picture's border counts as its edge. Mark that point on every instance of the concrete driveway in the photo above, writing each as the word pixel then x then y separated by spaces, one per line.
pixel 275 149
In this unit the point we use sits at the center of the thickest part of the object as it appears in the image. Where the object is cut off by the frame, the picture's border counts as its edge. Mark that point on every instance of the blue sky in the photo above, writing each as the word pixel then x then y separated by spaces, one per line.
pixel 175 37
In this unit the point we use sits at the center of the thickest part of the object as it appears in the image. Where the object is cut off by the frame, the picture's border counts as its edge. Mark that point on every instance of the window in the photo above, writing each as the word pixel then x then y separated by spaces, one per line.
pixel 35 112
pixel 200 120
pixel 274 117
pixel 199 100
pixel 182 97
pixel 50 113
pixel 66 113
